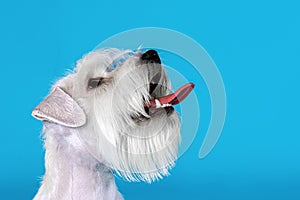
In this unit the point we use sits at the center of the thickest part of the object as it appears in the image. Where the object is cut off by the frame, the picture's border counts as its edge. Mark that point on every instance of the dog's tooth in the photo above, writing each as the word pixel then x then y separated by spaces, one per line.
pixel 157 103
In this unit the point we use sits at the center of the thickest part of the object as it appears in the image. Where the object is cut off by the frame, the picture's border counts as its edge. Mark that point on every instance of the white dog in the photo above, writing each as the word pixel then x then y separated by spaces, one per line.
pixel 112 114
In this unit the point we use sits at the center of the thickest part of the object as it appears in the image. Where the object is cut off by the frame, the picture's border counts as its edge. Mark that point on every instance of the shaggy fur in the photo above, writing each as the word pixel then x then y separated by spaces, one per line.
pixel 90 133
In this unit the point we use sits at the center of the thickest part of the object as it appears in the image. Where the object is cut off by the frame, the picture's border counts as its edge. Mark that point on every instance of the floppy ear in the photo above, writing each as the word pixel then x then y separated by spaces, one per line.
pixel 59 107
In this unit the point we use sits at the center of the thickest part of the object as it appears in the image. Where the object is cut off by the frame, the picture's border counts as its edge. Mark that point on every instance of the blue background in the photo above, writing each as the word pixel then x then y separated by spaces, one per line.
pixel 255 45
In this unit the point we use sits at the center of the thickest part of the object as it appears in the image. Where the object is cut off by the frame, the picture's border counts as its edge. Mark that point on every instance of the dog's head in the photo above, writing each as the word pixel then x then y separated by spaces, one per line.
pixel 104 103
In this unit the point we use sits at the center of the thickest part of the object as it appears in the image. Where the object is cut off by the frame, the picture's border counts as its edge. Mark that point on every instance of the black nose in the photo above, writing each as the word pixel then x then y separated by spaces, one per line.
pixel 151 56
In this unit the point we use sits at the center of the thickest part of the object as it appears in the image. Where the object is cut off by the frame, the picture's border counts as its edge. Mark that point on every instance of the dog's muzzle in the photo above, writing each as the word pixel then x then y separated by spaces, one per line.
pixel 166 102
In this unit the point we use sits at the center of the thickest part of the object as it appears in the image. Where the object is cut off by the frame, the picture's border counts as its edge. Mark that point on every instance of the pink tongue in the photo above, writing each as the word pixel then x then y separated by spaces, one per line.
pixel 172 99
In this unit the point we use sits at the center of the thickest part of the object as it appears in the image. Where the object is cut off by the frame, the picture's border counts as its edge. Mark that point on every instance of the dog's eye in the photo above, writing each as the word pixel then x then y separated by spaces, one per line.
pixel 94 83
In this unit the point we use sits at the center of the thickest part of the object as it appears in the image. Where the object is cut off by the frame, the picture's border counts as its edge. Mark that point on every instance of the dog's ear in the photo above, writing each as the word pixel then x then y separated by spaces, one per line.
pixel 59 107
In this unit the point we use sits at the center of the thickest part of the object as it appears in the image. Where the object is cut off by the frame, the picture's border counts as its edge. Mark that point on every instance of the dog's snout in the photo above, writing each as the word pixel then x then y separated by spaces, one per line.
pixel 151 56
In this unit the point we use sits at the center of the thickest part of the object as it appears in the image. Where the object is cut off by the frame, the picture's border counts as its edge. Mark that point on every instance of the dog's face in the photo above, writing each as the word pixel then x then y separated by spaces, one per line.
pixel 103 103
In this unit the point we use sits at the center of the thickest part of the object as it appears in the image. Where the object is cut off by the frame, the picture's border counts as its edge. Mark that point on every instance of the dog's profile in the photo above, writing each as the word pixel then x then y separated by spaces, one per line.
pixel 97 122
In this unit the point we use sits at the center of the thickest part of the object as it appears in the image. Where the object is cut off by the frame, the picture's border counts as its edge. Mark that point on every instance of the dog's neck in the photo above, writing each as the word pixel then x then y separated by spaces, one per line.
pixel 73 175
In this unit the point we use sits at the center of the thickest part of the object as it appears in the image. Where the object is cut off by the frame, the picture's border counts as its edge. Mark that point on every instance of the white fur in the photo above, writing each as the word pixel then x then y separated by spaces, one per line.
pixel 79 160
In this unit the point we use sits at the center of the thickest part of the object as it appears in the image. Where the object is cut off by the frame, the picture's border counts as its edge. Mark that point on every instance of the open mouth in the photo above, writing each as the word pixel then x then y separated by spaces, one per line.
pixel 160 102
pixel 164 104
pixel 171 99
